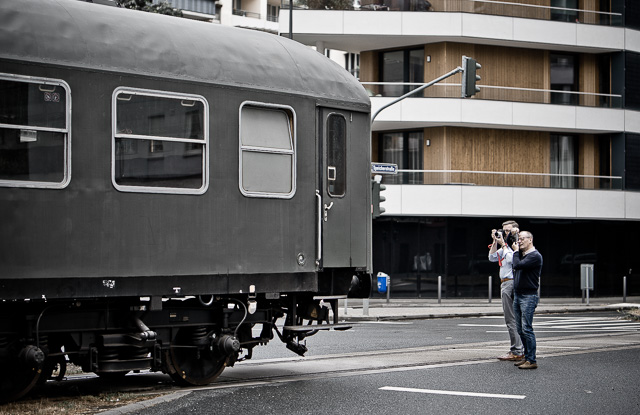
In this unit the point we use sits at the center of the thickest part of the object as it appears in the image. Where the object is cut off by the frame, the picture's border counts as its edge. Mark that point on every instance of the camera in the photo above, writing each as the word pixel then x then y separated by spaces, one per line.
pixel 499 234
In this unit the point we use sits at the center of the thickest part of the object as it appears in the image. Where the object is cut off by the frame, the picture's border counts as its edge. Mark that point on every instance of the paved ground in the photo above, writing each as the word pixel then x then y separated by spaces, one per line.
pixel 409 309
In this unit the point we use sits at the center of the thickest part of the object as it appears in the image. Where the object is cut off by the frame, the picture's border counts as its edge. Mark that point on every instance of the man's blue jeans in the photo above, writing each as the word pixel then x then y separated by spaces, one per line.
pixel 523 308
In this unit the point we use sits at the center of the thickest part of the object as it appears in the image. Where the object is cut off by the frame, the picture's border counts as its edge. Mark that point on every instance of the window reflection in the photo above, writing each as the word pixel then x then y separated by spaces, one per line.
pixel 160 142
pixel 34 132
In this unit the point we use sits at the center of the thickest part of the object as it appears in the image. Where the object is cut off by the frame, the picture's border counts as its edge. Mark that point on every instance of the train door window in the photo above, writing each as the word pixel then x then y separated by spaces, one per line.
pixel 160 142
pixel 336 155
pixel 267 150
pixel 35 132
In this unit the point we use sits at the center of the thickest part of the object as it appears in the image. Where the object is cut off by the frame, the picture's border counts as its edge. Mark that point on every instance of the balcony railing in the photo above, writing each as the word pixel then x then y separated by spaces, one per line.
pixel 505 179
pixel 531 10
pixel 498 93
pixel 239 12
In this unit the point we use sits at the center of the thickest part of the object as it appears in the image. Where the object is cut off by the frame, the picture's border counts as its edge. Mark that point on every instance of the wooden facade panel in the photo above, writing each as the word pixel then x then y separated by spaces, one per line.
pixel 510 8
pixel 501 66
pixel 588 74
pixel 459 148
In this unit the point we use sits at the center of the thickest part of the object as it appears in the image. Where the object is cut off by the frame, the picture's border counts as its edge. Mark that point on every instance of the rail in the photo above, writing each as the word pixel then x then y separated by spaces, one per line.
pixel 498 93
pixel 486 7
pixel 504 179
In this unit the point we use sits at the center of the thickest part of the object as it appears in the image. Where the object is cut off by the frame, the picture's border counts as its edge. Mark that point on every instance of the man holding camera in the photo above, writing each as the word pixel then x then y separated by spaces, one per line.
pixel 501 251
pixel 527 267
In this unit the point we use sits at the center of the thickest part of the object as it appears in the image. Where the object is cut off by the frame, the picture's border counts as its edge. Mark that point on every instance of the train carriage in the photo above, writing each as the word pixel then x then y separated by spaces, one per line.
pixel 167 185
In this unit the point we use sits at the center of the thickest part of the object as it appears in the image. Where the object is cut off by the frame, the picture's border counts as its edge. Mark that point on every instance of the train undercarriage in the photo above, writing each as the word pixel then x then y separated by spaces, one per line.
pixel 192 339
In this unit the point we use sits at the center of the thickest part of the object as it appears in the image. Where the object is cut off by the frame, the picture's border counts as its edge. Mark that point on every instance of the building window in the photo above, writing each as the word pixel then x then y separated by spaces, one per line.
pixel 564 77
pixel 406 66
pixel 564 10
pixel 273 10
pixel 564 161
pixel 336 155
pixel 35 132
pixel 160 142
pixel 267 150
pixel 405 150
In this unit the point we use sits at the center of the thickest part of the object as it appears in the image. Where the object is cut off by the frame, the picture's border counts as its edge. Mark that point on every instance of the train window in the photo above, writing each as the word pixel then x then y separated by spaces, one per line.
pixel 160 142
pixel 336 155
pixel 35 132
pixel 267 150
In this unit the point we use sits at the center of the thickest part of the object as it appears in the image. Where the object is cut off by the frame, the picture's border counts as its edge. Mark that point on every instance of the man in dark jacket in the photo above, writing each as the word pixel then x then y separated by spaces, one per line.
pixel 527 266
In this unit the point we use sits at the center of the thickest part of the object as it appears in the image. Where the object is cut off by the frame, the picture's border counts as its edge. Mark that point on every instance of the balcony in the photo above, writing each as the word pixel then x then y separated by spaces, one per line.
pixel 467 200
pixel 505 179
pixel 488 7
pixel 359 30
pixel 497 93
pixel 246 13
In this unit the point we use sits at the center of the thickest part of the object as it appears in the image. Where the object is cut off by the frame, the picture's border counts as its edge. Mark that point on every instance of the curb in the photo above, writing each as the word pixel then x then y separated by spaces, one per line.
pixel 138 406
pixel 355 319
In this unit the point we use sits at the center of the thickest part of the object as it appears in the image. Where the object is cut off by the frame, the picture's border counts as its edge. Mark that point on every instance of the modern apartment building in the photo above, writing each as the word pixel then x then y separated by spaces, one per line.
pixel 552 140
pixel 250 14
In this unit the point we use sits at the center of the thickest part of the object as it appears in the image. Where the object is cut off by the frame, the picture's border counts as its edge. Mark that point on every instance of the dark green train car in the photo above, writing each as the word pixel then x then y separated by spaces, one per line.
pixel 165 186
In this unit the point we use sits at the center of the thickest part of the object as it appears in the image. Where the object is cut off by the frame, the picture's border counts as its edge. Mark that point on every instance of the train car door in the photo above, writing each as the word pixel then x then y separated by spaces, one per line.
pixel 335 207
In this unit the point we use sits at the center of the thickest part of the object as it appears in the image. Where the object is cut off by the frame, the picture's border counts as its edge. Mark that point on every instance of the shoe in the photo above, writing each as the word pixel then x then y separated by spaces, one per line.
pixel 511 356
pixel 520 363
pixel 528 365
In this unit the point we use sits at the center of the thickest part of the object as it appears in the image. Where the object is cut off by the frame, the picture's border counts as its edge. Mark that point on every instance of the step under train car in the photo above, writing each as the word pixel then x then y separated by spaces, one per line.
pixel 172 193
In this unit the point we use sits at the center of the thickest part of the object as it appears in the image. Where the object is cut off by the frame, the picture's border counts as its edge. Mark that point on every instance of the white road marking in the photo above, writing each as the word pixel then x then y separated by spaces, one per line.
pixel 454 393
pixel 555 324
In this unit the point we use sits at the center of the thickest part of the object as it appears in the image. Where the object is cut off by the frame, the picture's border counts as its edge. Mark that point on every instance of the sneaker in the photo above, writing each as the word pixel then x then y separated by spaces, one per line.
pixel 511 356
pixel 520 363
pixel 528 365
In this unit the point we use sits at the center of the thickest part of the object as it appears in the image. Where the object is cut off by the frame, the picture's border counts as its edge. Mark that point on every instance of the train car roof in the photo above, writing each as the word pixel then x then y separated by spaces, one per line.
pixel 84 35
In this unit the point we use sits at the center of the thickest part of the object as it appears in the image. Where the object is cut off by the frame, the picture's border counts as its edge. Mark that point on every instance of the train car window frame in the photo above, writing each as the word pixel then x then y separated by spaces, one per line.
pixel 29 133
pixel 336 157
pixel 267 149
pixel 126 141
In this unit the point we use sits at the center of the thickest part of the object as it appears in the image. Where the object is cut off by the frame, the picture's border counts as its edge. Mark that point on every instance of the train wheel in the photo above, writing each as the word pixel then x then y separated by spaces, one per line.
pixel 19 377
pixel 190 365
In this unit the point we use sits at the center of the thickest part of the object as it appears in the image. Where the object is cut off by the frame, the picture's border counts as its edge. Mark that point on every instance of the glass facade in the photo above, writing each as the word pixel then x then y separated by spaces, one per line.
pixel 404 66
pixel 405 150
pixel 414 251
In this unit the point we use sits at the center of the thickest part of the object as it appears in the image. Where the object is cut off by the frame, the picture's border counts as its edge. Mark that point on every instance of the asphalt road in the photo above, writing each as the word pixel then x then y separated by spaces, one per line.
pixel 588 365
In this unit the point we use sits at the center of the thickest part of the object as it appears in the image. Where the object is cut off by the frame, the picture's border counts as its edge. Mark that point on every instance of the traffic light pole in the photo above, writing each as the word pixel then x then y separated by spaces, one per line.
pixel 415 91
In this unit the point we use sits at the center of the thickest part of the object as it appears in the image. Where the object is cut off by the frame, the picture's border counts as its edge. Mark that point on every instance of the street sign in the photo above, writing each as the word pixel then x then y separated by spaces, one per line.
pixel 586 276
pixel 384 168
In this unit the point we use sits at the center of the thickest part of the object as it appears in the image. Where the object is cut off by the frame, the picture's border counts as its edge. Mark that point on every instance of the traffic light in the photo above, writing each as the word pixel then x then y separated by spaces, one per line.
pixel 469 77
pixel 377 198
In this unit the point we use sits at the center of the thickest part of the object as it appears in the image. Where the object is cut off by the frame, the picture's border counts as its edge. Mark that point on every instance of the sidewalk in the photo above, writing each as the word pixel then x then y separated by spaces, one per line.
pixel 418 308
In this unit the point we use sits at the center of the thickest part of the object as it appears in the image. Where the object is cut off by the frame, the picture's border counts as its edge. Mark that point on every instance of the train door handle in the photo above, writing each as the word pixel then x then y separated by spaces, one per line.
pixel 326 210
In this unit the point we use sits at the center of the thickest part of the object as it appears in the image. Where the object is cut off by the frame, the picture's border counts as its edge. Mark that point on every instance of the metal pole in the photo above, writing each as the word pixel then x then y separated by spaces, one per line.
pixel 624 289
pixel 489 288
pixel 345 306
pixel 388 288
pixel 587 290
pixel 291 21
pixel 365 307
pixel 439 289
pixel 415 91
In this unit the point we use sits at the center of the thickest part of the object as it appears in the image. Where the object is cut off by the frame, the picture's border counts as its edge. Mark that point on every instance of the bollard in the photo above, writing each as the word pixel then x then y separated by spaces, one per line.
pixel 388 289
pixel 365 307
pixel 489 288
pixel 439 289
pixel 345 306
pixel 624 289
